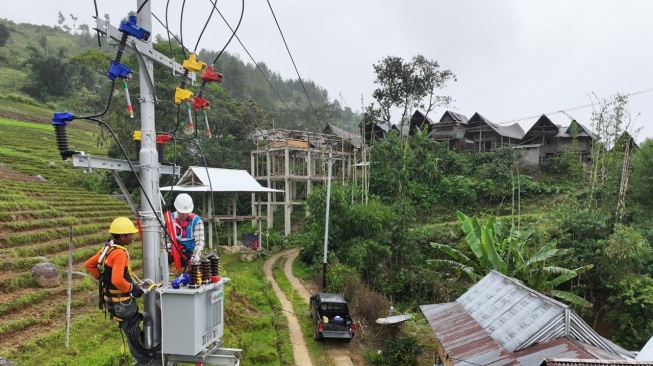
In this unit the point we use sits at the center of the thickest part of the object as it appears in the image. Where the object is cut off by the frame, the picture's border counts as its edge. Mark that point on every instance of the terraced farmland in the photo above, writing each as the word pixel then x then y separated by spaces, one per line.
pixel 41 198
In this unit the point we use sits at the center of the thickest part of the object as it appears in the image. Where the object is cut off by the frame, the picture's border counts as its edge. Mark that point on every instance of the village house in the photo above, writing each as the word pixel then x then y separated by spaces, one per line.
pixel 545 140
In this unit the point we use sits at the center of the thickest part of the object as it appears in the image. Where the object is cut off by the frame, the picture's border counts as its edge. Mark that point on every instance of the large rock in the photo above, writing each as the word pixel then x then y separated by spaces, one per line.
pixel 7 362
pixel 46 275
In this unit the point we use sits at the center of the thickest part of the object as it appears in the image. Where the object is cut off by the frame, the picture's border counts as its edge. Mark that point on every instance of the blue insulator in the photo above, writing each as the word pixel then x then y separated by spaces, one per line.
pixel 185 279
pixel 132 29
pixel 176 283
pixel 59 118
pixel 118 70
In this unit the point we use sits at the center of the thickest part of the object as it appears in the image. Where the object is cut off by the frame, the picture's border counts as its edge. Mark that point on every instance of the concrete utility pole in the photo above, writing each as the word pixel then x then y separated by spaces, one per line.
pixel 326 221
pixel 149 161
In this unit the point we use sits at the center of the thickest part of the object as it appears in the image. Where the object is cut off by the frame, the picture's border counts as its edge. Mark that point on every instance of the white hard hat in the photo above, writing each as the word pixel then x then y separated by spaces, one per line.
pixel 183 203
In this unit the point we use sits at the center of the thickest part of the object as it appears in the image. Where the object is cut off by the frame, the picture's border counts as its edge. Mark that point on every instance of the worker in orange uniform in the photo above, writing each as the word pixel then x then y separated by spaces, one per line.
pixel 118 292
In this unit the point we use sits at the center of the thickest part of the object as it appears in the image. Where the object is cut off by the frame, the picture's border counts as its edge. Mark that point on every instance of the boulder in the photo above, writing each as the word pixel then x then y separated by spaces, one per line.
pixel 46 275
pixel 7 362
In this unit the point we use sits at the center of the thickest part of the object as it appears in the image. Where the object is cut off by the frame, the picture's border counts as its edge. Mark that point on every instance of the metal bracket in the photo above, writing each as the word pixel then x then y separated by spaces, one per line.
pixel 219 356
pixel 125 192
pixel 112 33
pixel 89 163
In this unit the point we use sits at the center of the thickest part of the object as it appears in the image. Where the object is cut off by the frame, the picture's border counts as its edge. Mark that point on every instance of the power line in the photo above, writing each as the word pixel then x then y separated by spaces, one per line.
pixel 569 109
pixel 233 33
pixel 181 25
pixel 203 29
pixel 293 63
pixel 257 66
pixel 141 7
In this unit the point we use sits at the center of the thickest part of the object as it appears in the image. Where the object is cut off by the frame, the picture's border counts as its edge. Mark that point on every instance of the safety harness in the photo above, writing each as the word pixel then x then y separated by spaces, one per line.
pixel 107 291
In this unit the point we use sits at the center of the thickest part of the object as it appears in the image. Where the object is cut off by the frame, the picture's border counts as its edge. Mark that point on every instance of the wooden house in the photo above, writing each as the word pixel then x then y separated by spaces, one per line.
pixel 579 138
pixel 420 121
pixel 625 142
pixel 545 140
pixel 540 142
pixel 487 136
pixel 451 129
pixel 374 131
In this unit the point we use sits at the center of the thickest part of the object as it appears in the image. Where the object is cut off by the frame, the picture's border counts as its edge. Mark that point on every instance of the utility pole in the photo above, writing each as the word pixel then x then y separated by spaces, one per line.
pixel 326 221
pixel 149 161
pixel 199 342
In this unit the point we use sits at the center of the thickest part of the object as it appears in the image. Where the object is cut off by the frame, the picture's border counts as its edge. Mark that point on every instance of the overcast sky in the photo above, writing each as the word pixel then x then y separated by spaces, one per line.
pixel 513 58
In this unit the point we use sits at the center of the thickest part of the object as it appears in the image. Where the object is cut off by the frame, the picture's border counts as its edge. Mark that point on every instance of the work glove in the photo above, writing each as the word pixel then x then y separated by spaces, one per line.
pixel 196 258
pixel 136 292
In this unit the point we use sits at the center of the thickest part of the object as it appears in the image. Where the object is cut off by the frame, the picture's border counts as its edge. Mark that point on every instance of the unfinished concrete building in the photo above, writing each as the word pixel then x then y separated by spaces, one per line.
pixel 295 161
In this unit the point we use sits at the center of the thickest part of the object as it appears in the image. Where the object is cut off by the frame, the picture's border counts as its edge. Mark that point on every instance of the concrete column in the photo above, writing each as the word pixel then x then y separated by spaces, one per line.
pixel 288 198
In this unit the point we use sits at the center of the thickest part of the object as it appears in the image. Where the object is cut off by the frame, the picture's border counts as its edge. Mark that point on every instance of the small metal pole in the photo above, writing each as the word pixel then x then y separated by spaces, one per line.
pixel 326 223
pixel 70 284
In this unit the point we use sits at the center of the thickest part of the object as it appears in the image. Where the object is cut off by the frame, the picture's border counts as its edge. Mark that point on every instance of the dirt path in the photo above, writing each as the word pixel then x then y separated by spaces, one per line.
pixel 299 349
pixel 339 355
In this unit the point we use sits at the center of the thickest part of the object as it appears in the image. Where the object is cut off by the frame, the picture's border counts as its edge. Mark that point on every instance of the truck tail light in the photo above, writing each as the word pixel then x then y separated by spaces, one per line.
pixel 320 327
pixel 353 328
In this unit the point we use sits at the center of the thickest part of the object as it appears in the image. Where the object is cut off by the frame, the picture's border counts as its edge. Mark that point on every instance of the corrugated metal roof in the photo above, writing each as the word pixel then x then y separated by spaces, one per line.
pixel 465 341
pixel 512 131
pixel 196 179
pixel 502 317
pixel 348 136
pixel 449 117
pixel 646 354
pixel 562 348
pixel 586 362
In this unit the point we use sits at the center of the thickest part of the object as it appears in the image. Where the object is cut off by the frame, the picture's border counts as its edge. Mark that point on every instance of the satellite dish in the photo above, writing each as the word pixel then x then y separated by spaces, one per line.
pixel 393 320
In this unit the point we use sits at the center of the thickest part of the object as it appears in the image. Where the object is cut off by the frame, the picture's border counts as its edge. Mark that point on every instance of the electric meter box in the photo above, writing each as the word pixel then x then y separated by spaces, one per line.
pixel 191 318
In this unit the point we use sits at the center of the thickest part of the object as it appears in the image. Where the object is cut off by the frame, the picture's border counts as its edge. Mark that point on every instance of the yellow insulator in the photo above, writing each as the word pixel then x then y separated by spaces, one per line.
pixel 182 95
pixel 192 64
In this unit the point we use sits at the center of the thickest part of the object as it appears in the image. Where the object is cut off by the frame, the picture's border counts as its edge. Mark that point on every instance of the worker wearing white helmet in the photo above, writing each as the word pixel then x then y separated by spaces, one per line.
pixel 189 229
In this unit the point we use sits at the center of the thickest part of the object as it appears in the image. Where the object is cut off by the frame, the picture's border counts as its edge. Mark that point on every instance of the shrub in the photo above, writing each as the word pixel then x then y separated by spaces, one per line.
pixel 399 351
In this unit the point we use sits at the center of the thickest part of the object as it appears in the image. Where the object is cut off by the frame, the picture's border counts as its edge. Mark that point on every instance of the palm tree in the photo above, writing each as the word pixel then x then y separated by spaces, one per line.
pixel 510 254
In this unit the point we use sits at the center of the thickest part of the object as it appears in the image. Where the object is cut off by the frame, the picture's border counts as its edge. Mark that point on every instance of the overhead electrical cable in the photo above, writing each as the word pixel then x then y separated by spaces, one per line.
pixel 170 33
pixel 569 109
pixel 181 26
pixel 295 65
pixel 233 33
pixel 172 53
pixel 97 31
pixel 258 67
pixel 141 7
pixel 203 29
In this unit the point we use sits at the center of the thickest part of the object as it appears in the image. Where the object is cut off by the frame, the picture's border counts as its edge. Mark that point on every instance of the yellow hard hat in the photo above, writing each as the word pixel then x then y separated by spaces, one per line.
pixel 122 225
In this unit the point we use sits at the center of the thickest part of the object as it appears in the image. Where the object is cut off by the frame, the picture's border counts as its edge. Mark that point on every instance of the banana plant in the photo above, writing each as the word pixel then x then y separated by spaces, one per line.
pixel 509 253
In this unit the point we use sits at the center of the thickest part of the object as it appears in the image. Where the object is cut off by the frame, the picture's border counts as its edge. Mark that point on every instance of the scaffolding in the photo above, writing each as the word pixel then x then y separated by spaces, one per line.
pixel 294 161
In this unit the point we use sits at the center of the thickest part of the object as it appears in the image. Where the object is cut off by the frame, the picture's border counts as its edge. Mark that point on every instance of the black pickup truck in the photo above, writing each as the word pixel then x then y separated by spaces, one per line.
pixel 331 316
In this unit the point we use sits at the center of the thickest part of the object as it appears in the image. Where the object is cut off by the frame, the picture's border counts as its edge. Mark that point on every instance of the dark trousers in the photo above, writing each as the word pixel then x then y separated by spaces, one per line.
pixel 127 311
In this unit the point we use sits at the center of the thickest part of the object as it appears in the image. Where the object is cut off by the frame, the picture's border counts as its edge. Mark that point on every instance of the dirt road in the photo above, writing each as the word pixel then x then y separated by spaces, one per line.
pixel 339 355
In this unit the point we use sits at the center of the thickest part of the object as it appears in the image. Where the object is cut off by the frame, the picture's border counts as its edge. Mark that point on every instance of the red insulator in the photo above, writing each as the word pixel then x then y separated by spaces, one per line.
pixel 200 102
pixel 211 76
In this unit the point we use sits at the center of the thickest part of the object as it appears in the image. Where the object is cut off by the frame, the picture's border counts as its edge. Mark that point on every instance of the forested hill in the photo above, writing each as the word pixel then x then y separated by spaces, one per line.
pixel 62 68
